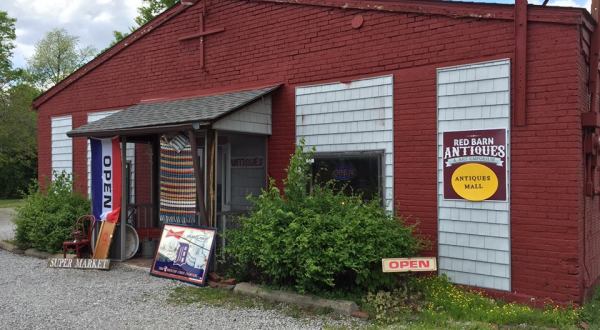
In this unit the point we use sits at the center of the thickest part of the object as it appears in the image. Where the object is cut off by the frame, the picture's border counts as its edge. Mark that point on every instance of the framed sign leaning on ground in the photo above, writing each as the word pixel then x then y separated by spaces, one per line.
pixel 183 253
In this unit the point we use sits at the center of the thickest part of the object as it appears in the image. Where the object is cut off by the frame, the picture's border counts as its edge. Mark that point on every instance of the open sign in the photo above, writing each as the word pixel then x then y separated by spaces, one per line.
pixel 396 265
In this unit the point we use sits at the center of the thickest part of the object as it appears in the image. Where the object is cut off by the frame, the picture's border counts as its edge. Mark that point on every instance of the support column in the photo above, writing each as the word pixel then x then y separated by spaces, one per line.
pixel 155 186
pixel 123 197
pixel 211 177
pixel 200 206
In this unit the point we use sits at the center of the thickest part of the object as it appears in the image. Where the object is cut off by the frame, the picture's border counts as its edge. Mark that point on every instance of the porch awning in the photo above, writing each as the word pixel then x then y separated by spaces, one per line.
pixel 148 118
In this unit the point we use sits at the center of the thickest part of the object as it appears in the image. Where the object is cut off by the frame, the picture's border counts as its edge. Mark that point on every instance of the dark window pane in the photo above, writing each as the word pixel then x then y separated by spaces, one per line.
pixel 355 174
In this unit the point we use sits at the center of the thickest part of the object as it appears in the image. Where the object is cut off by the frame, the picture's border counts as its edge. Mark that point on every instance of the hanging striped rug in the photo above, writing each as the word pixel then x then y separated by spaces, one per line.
pixel 177 182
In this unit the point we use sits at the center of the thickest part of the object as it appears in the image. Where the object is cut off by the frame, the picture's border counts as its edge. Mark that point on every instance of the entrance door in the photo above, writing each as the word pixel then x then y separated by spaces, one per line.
pixel 224 178
pixel 201 167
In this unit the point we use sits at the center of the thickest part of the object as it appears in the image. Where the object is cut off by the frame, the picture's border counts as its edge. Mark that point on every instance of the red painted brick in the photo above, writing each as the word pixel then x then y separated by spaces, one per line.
pixel 303 45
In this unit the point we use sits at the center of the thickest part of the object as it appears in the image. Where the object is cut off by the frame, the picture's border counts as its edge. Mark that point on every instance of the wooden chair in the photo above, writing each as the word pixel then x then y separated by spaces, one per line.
pixel 82 236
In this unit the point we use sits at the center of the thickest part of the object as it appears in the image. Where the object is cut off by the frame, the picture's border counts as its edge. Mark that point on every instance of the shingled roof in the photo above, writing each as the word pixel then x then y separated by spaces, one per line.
pixel 201 110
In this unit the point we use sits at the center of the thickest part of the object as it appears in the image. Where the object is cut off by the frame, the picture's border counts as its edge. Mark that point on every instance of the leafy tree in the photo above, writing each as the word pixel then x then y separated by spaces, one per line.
pixel 7 39
pixel 56 56
pixel 148 10
pixel 18 157
pixel 151 8
pixel 18 145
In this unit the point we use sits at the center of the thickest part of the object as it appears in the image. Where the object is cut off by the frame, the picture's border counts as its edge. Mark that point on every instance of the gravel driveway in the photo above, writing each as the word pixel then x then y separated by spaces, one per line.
pixel 33 296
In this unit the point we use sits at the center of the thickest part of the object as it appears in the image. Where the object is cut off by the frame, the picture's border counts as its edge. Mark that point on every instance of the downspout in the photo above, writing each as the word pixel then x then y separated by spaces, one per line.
pixel 520 108
pixel 590 122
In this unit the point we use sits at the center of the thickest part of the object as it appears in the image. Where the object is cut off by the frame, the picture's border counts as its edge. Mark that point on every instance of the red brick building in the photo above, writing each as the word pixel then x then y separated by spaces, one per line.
pixel 375 86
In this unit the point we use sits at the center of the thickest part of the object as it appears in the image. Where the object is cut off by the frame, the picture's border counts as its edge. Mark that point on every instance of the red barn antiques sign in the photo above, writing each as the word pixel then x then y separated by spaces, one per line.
pixel 396 265
pixel 475 165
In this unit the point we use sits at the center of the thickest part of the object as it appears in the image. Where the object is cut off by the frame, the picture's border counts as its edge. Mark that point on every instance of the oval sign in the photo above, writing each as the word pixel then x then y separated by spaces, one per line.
pixel 474 182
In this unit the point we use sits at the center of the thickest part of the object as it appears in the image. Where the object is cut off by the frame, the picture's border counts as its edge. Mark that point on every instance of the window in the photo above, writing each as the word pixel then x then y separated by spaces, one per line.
pixel 358 173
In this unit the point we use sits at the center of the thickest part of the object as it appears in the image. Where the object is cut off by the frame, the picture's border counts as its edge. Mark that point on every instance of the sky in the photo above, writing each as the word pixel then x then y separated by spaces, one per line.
pixel 94 21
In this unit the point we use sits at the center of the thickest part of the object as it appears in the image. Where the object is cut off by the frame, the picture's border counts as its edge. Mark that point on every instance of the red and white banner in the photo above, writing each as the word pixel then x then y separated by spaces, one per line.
pixel 106 179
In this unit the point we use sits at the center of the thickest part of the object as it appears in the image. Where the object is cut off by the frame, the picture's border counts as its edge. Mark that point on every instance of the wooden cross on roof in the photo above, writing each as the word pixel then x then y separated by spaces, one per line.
pixel 201 35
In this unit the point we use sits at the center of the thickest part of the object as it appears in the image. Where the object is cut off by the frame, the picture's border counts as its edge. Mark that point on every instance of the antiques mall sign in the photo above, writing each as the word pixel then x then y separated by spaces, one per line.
pixel 475 165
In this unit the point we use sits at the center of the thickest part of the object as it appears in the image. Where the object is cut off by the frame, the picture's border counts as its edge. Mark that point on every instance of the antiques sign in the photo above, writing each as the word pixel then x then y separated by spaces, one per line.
pixel 398 265
pixel 475 165
pixel 247 162
pixel 183 253
pixel 79 263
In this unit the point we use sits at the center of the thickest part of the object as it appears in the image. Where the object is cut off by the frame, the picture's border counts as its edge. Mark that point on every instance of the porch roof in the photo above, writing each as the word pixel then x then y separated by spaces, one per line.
pixel 146 118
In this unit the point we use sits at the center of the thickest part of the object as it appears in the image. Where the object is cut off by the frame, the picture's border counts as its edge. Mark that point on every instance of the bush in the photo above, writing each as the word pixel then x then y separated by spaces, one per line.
pixel 319 239
pixel 591 311
pixel 46 218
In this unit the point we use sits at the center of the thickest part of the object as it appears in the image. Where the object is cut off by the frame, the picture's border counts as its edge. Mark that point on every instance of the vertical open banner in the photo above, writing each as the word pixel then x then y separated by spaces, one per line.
pixel 106 179
pixel 106 190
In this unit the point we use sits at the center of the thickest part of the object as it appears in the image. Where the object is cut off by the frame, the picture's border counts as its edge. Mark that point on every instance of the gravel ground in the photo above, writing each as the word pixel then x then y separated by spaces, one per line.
pixel 33 296
pixel 6 224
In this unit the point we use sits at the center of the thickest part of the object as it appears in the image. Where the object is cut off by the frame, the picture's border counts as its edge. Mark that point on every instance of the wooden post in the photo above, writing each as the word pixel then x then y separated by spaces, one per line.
pixel 155 189
pixel 123 197
pixel 211 182
pixel 200 207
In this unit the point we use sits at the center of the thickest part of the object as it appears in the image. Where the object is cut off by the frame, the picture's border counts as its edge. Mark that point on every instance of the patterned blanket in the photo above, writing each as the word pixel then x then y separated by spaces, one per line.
pixel 177 182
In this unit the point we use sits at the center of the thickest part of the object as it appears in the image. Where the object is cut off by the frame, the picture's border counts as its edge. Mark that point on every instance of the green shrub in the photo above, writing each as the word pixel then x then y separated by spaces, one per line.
pixel 46 218
pixel 317 239
pixel 591 311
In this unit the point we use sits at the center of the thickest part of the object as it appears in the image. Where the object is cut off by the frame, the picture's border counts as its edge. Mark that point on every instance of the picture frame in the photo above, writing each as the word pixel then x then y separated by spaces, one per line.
pixel 184 253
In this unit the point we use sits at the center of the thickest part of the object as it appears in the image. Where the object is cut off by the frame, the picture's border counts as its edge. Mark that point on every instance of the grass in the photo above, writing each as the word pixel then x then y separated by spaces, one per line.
pixel 424 303
pixel 435 303
pixel 228 299
pixel 10 203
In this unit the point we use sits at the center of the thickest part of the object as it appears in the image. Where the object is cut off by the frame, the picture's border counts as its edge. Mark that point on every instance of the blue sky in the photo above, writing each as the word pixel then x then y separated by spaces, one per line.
pixel 94 20
pixel 578 3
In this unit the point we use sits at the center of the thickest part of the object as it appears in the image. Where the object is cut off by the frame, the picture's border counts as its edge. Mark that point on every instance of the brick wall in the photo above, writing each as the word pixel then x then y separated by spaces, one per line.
pixel 546 169
pixel 269 42
pixel 589 231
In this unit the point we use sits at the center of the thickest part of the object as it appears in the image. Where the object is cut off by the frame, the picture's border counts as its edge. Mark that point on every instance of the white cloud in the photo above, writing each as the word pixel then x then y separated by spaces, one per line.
pixel 103 17
pixel 93 21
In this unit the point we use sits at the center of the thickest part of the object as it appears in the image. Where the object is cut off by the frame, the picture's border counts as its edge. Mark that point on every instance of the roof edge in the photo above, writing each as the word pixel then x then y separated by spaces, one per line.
pixel 133 131
pixel 211 92
pixel 454 9
pixel 136 35
pixel 445 8
pixel 271 88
